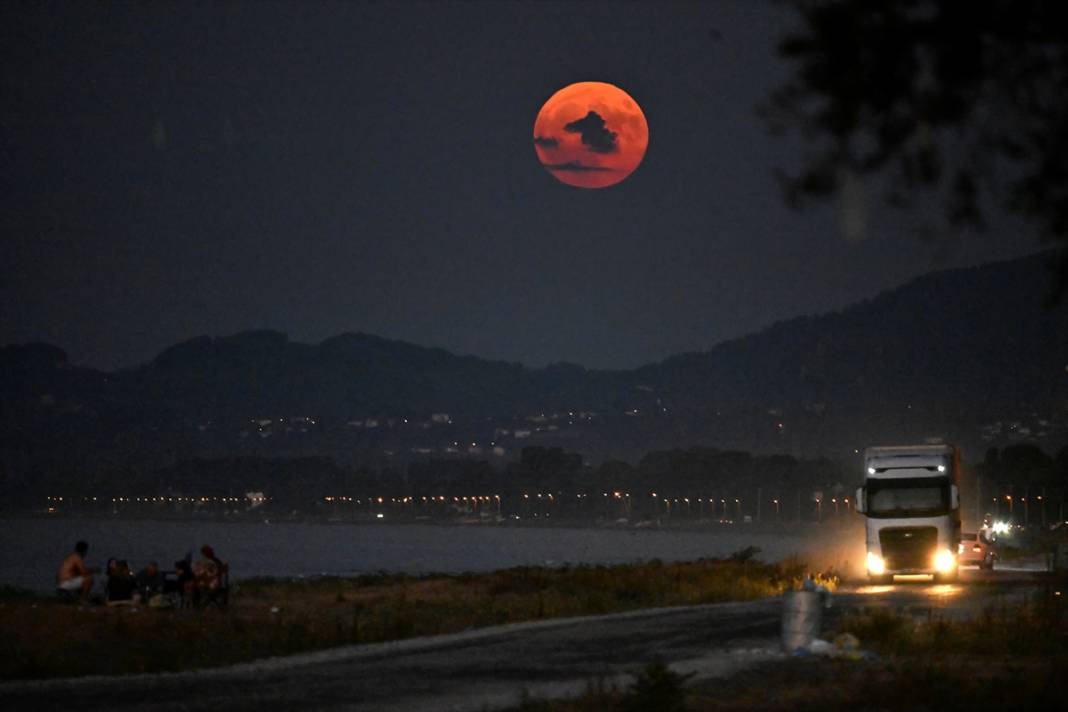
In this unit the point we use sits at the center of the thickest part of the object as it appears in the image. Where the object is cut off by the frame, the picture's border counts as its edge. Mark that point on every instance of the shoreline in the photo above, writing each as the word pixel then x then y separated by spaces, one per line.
pixel 702 525
pixel 267 618
pixel 312 548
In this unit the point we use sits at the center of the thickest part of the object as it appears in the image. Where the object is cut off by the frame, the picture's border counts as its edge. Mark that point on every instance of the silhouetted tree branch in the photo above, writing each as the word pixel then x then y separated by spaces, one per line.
pixel 965 99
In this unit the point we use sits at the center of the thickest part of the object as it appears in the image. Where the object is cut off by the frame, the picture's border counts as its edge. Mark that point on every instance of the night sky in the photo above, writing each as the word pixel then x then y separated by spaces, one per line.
pixel 176 169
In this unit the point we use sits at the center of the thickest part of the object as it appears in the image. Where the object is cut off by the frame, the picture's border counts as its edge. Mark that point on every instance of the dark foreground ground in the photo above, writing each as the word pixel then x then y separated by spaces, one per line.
pixel 509 666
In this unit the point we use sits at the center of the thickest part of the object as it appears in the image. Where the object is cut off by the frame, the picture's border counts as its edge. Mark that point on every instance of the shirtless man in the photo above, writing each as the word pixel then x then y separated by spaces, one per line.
pixel 73 574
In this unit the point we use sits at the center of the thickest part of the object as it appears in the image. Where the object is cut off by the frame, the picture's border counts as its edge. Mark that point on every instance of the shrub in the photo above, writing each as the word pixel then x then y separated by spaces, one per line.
pixel 657 688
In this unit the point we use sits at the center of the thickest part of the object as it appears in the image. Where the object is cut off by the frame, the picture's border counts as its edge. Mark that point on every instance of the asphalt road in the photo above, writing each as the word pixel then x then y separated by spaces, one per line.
pixel 493 668
pixel 975 591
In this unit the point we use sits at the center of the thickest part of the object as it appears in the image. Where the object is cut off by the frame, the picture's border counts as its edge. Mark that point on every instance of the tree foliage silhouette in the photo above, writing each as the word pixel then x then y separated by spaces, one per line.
pixel 968 100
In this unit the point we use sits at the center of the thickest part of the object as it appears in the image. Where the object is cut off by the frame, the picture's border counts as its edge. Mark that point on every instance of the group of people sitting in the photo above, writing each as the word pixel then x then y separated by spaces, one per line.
pixel 188 584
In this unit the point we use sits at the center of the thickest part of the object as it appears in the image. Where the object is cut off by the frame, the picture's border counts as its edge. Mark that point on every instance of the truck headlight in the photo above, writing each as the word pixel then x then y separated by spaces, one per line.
pixel 945 561
pixel 876 565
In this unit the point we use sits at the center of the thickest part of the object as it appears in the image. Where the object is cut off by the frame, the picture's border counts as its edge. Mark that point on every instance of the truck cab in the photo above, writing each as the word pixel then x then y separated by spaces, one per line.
pixel 911 502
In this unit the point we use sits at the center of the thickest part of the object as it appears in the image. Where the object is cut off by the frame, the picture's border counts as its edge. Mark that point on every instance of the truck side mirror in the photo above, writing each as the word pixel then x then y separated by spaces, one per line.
pixel 954 497
pixel 862 500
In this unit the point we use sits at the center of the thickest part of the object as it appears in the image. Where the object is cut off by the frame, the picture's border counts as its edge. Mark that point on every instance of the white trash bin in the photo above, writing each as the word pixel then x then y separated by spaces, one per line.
pixel 802 615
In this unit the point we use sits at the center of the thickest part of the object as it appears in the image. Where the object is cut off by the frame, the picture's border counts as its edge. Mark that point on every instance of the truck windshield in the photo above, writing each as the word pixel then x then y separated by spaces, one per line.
pixel 918 497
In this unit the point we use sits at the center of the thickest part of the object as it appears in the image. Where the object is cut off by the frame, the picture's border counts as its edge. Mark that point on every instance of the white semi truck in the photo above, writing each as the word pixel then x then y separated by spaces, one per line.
pixel 911 502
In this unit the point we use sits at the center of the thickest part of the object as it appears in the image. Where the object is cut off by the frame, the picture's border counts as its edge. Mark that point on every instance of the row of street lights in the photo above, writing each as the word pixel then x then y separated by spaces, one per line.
pixel 1026 501
pixel 614 504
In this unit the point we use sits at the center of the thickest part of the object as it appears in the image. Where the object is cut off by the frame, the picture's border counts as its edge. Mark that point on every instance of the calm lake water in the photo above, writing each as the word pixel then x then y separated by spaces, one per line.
pixel 33 547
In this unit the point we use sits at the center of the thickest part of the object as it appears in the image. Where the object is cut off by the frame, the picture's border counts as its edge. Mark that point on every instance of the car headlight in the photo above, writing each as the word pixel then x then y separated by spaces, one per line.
pixel 945 561
pixel 876 565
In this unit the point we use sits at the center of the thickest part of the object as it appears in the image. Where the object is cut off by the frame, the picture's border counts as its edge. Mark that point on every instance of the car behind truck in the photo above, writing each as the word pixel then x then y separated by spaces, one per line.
pixel 911 501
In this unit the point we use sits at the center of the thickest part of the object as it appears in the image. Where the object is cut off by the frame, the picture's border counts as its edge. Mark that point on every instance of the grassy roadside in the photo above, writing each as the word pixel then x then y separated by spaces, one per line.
pixel 40 637
pixel 1009 657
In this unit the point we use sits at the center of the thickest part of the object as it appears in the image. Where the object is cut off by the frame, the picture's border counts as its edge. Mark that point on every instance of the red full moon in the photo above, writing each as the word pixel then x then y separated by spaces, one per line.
pixel 590 135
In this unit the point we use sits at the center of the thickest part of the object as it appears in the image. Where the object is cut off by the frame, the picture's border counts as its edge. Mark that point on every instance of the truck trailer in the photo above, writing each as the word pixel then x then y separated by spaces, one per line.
pixel 911 502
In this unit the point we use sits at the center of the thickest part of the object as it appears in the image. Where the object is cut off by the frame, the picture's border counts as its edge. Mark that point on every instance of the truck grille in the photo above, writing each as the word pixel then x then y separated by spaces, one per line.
pixel 908 547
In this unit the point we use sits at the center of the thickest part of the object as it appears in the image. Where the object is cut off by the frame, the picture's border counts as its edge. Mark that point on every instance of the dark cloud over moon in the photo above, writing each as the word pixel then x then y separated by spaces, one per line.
pixel 594 133
pixel 546 141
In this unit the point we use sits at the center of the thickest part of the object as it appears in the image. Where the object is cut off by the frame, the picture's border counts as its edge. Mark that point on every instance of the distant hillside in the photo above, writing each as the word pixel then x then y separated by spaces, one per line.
pixel 969 354
pixel 979 337
pixel 347 376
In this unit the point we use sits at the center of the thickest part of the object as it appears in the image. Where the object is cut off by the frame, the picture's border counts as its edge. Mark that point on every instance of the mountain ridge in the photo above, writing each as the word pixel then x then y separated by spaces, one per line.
pixel 953 349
